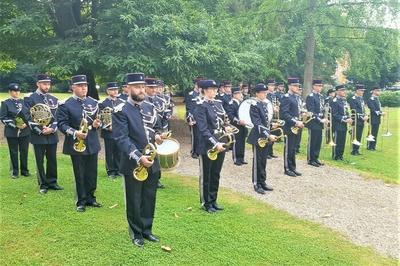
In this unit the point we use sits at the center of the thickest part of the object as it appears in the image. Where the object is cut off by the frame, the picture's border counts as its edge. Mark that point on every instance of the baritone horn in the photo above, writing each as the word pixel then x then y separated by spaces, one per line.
pixel 140 172
pixel 80 146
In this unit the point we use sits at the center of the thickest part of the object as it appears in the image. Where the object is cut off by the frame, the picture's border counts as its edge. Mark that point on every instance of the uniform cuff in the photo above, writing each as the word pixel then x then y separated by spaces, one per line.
pixel 135 155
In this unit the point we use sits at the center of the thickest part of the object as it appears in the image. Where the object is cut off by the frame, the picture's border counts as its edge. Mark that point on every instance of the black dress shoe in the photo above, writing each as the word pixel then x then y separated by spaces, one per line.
pixel 151 238
pixel 269 157
pixel 14 176
pixel 244 162
pixel 80 208
pixel 266 187
pixel 210 209
pixel 353 153
pixel 195 156
pixel 237 163
pixel 273 156
pixel 159 185
pixel 358 153
pixel 314 164
pixel 26 174
pixel 218 207
pixel 290 173
pixel 94 204
pixel 138 242
pixel 259 190
pixel 296 173
pixel 43 190
pixel 56 187
pixel 318 162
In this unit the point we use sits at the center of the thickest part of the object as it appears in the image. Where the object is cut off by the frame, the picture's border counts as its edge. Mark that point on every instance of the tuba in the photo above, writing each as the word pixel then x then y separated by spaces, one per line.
pixel 140 172
pixel 80 146
pixel 41 114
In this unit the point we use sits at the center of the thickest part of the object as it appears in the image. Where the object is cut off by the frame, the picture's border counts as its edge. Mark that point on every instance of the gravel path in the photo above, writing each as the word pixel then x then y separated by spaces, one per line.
pixel 366 211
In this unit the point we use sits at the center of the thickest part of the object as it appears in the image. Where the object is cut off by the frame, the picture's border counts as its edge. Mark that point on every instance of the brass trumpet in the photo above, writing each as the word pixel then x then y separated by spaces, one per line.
pixel 80 146
pixel 19 123
pixel 262 142
pixel 305 117
pixel 212 154
pixel 140 172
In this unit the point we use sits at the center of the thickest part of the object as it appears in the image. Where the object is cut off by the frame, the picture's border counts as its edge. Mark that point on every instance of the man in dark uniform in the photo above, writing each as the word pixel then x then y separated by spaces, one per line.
pixel 261 129
pixel 340 119
pixel 16 131
pixel 225 95
pixel 330 94
pixel 300 134
pixel 375 108
pixel 159 107
pixel 136 126
pixel 168 105
pixel 210 116
pixel 280 92
pixel 357 103
pixel 44 137
pixel 245 91
pixel 190 102
pixel 240 138
pixel 125 92
pixel 275 108
pixel 290 112
pixel 77 119
pixel 315 105
pixel 112 153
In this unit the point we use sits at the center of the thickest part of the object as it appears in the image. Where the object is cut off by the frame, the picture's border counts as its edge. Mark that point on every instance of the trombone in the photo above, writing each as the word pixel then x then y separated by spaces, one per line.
pixel 387 133
pixel 370 137
pixel 354 141
pixel 329 127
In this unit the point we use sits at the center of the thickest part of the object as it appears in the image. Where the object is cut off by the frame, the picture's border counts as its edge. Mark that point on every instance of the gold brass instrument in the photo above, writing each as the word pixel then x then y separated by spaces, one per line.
pixel 262 142
pixel 41 114
pixel 370 137
pixel 387 132
pixel 305 117
pixel 140 172
pixel 329 127
pixel 105 116
pixel 80 146
pixel 212 154
pixel 19 123
pixel 166 134
pixel 353 115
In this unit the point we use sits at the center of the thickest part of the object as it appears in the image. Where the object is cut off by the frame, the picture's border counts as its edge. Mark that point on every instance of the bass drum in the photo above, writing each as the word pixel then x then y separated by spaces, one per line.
pixel 244 111
pixel 168 154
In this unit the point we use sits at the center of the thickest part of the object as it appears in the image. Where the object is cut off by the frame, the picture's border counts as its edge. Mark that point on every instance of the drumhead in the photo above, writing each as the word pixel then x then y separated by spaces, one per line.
pixel 169 146
pixel 244 112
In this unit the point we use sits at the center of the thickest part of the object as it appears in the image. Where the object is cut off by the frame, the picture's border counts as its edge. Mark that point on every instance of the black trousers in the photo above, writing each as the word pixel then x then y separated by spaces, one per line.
pixel 289 152
pixel 298 140
pixel 140 198
pixel 20 145
pixel 359 132
pixel 49 177
pixel 314 144
pixel 113 156
pixel 374 132
pixel 239 145
pixel 85 172
pixel 340 141
pixel 259 174
pixel 209 179
pixel 193 135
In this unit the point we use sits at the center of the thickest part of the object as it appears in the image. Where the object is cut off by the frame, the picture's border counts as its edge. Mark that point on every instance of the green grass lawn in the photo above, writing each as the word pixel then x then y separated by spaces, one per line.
pixel 46 229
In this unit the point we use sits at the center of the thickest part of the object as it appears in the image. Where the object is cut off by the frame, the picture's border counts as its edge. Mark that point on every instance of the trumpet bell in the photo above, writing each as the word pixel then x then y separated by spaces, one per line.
pixel 140 173
pixel 332 144
pixel 356 142
pixel 212 154
pixel 79 146
pixel 295 130
pixel 387 134
pixel 370 138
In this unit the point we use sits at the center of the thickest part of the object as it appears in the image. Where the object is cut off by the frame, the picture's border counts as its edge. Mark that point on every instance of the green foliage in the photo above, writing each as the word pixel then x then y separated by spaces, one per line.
pixel 390 98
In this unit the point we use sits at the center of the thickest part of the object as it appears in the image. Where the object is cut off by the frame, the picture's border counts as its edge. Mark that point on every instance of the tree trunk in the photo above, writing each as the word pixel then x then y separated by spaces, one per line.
pixel 310 52
pixel 67 16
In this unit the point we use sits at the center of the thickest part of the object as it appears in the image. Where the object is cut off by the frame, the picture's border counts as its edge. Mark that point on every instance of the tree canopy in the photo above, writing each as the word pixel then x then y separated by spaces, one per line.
pixel 176 40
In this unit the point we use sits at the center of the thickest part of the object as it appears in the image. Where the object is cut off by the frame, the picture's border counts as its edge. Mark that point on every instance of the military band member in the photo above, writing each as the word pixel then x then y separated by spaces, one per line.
pixel 112 152
pixel 261 130
pixel 125 92
pixel 340 119
pixel 274 102
pixel 330 95
pixel 210 115
pixel 245 91
pixel 315 105
pixel 77 119
pixel 225 95
pixel 44 138
pixel 280 92
pixel 290 112
pixel 135 126
pixel 240 138
pixel 302 104
pixel 168 105
pixel 159 107
pixel 190 102
pixel 375 108
pixel 16 131
pixel 357 103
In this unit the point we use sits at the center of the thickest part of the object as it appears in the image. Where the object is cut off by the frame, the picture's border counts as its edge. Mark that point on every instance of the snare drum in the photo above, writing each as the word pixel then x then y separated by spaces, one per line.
pixel 168 153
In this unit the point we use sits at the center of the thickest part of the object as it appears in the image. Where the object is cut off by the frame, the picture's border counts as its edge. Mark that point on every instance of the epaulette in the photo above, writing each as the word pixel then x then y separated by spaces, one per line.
pixel 199 101
pixel 231 102
pixel 218 100
pixel 28 94
pixel 93 99
pixel 372 98
pixel 61 102
pixel 190 92
pixel 287 95
pixel 354 97
pixel 119 107
pixel 334 100
pixel 311 94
